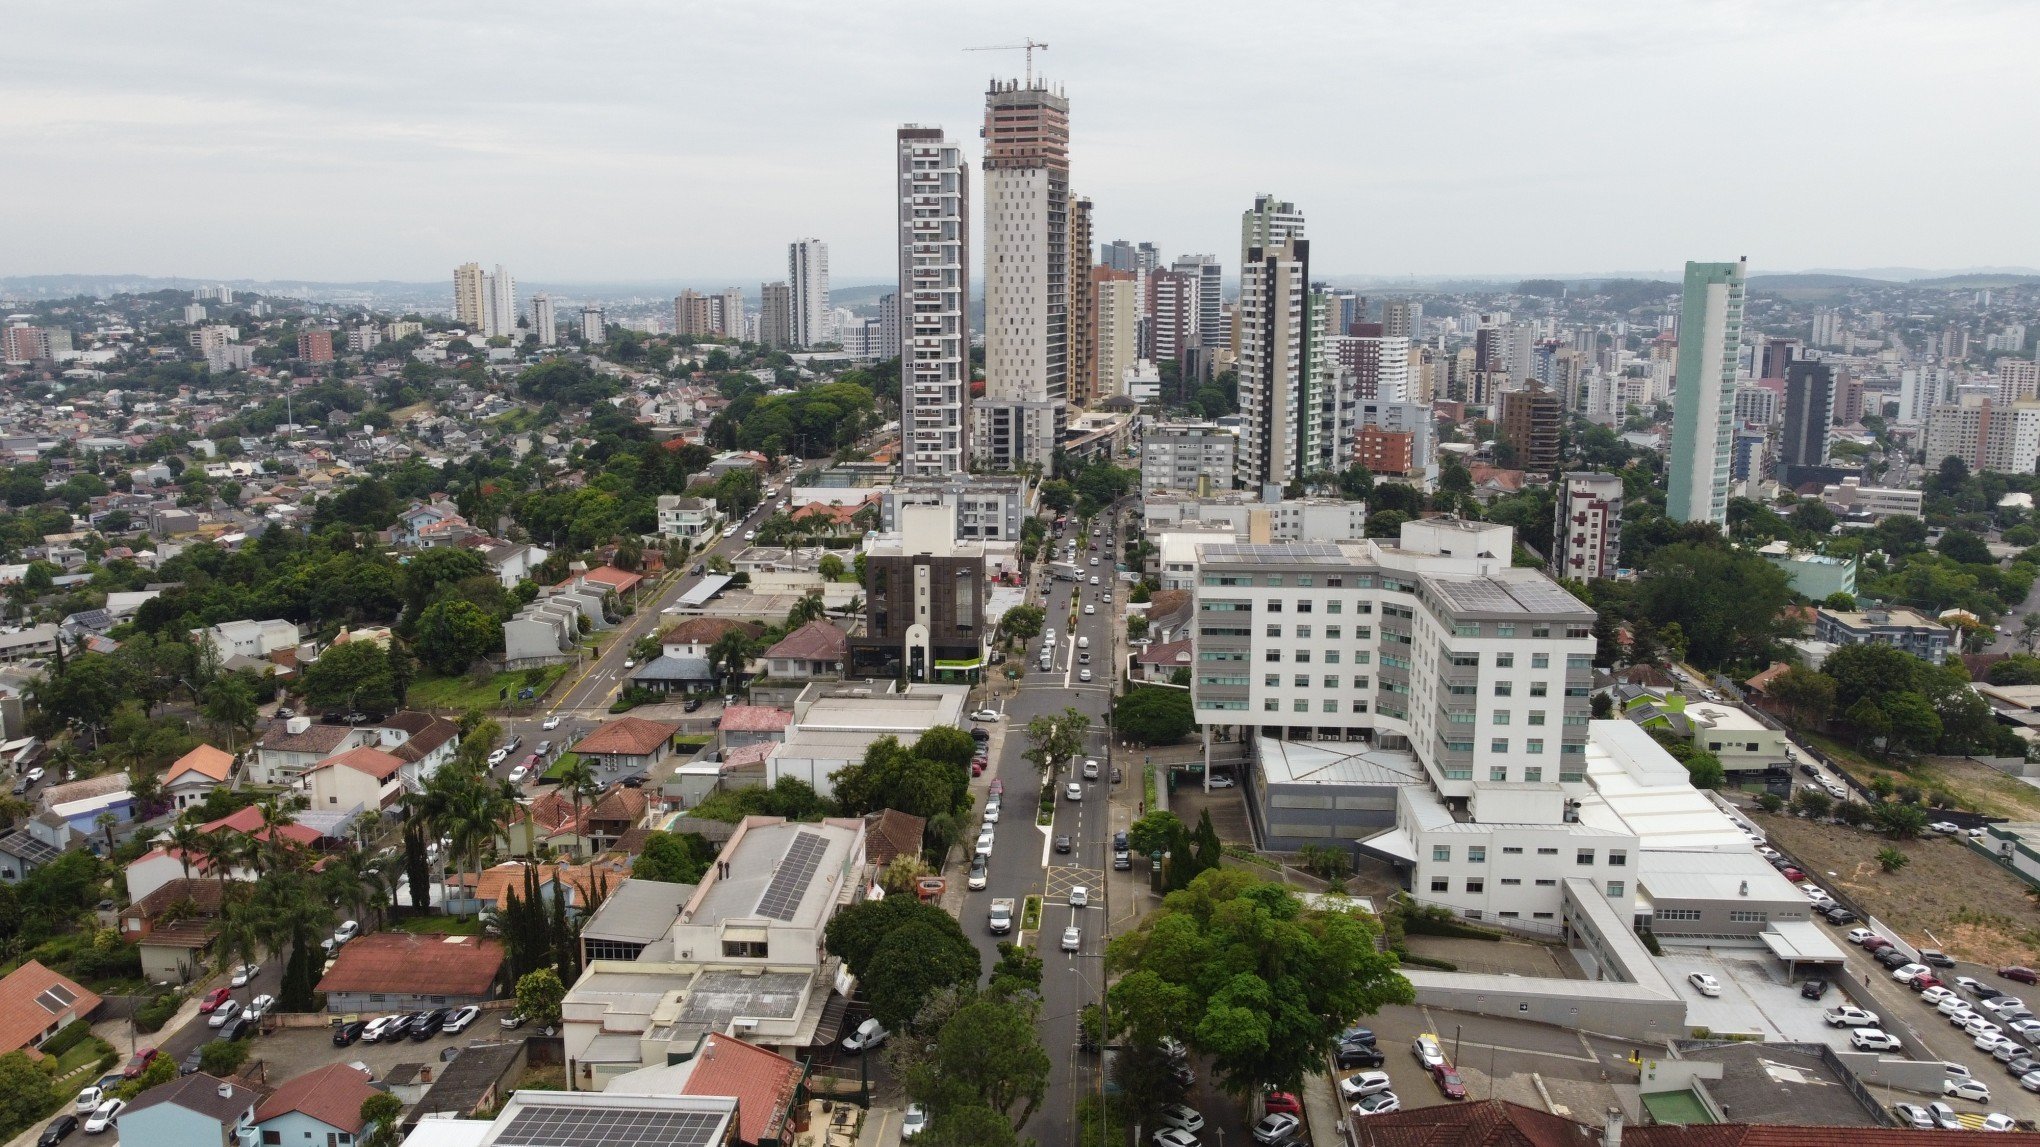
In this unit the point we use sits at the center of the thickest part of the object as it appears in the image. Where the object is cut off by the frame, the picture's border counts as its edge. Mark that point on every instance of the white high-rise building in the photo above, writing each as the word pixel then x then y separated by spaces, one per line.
pixel 1273 342
pixel 1115 303
pixel 1028 264
pixel 593 328
pixel 929 325
pixel 727 311
pixel 1588 537
pixel 1703 409
pixel 499 304
pixel 807 271
pixel 1210 327
pixel 543 322
pixel 467 297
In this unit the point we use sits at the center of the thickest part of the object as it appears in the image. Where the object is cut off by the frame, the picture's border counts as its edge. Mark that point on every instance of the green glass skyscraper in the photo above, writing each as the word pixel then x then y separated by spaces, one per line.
pixel 1703 409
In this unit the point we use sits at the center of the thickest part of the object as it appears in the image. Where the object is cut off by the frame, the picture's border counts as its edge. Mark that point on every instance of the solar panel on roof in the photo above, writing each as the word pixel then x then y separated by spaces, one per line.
pixel 55 998
pixel 782 897
pixel 543 1126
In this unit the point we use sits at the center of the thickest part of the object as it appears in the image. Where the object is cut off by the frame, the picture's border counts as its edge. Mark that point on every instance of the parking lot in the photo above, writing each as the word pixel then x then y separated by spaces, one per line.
pixel 1756 998
pixel 294 1051
pixel 1500 1059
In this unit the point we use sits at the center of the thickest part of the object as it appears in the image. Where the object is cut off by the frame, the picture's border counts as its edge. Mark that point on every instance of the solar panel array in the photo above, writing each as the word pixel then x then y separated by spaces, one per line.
pixel 1274 553
pixel 55 998
pixel 782 897
pixel 544 1126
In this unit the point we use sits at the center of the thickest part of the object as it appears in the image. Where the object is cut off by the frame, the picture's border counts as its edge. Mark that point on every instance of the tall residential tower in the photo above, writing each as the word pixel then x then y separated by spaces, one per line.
pixel 1703 410
pixel 933 303
pixel 807 272
pixel 1027 275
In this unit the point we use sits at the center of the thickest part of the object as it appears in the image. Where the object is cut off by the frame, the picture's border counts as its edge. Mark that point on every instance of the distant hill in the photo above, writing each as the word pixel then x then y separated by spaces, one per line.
pixel 1977 281
pixel 1812 282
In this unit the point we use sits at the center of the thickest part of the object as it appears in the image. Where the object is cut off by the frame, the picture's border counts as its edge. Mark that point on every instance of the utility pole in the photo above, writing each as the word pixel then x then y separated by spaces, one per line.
pixel 1028 47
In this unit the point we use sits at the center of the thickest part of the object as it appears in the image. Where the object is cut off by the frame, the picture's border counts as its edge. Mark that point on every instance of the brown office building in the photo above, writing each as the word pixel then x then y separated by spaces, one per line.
pixel 1385 452
pixel 315 346
pixel 1530 424
pixel 924 607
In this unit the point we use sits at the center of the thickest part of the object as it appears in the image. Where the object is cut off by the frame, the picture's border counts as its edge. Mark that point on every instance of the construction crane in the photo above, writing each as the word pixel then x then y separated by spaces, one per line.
pixel 1029 46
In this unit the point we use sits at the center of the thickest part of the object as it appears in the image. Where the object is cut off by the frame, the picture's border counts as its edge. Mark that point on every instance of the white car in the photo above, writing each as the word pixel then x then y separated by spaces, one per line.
pixel 991 814
pixel 1858 935
pixel 1956 1071
pixel 1427 1051
pixel 550 723
pixel 1977 1026
pixel 245 973
pixel 1080 896
pixel 1073 791
pixel 1968 984
pixel 104 1116
pixel 89 1100
pixel 261 1006
pixel 985 715
pixel 347 930
pixel 1094 561
pixel 1871 1039
pixel 458 1021
pixel 1904 973
pixel 750 535
pixel 1182 1117
pixel 1934 996
pixel 1275 1127
pixel 1083 674
pixel 1945 828
pixel 498 756
pixel 1944 1116
pixel 1073 938
pixel 1089 608
pixel 1090 768
pixel 1914 1116
pixel 1094 579
pixel 36 774
pixel 227 1010
pixel 1848 1017
pixel 1705 984
pixel 2004 1005
pixel 1767 852
pixel 1364 1083
pixel 1174 1137
pixel 2028 1030
pixel 1380 1103
pixel 868 1035
pixel 980 875
pixel 1998 1121
pixel 984 845
pixel 518 774
pixel 1970 1089
pixel 914 1121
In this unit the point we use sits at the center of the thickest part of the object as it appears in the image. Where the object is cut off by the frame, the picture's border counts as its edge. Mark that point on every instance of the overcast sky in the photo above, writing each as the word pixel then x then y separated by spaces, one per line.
pixel 610 140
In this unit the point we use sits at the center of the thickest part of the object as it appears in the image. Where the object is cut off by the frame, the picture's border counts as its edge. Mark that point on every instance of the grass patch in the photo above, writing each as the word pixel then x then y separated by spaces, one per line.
pixel 1147 786
pixel 87 1052
pixel 439 925
pixel 1977 788
pixel 1030 914
pixel 462 693
pixel 559 768
pixel 692 740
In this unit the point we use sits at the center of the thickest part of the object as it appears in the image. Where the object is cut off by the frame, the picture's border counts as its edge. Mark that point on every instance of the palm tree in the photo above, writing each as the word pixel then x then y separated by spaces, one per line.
pixel 349 879
pixel 808 608
pixel 186 838
pixel 222 850
pixel 729 656
pixel 580 782
pixel 106 821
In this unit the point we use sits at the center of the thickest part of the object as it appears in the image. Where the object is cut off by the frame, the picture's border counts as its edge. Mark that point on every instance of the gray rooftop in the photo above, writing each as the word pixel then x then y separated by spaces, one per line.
pixel 760 855
pixel 1274 553
pixel 1534 595
pixel 719 996
pixel 637 911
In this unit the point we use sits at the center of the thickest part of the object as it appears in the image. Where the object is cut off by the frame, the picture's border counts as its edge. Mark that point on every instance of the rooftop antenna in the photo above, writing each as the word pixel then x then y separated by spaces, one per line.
pixel 1029 46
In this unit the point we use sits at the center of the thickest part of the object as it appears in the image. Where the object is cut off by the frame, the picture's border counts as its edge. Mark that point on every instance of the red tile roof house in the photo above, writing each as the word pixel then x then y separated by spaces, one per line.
pixel 36 1003
pixel 322 1106
pixel 173 926
pixel 195 774
pixel 603 579
pixel 743 725
pixel 163 864
pixel 549 821
pixel 764 1084
pixel 629 743
pixel 1160 662
pixel 398 971
pixel 360 778
pixel 817 649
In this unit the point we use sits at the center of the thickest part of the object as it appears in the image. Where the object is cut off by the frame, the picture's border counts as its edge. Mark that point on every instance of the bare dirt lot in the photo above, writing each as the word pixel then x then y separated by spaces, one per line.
pixel 1976 910
pixel 1979 788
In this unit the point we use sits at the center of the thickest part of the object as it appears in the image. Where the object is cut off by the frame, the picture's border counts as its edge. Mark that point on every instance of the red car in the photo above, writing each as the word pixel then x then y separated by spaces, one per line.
pixel 1923 981
pixel 998 786
pixel 1448 1081
pixel 1792 874
pixel 1283 1103
pixel 1876 944
pixel 139 1063
pixel 2023 975
pixel 214 999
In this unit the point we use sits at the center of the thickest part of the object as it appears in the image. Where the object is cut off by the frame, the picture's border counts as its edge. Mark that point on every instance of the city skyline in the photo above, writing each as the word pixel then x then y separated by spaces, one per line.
pixel 353 164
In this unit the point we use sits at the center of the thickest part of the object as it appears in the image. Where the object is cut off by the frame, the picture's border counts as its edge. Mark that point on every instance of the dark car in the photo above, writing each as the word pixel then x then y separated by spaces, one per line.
pixel 697 570
pixel 240 1027
pixel 978 734
pixel 693 705
pixel 428 1026
pixel 59 1127
pixel 1809 770
pixel 1062 844
pixel 1119 843
pixel 2021 974
pixel 1448 1081
pixel 1985 992
pixel 347 1033
pixel 1841 915
pixel 1813 989
pixel 1936 957
pixel 1358 1055
pixel 1892 957
pixel 2019 1065
pixel 1357 1035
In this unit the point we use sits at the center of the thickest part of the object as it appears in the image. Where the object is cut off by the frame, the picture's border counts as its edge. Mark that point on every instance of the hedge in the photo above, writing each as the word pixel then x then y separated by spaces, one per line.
pixel 1426 961
pixel 70 1036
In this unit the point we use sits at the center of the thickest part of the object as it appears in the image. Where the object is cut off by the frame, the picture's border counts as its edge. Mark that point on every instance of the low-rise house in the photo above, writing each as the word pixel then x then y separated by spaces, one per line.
pixel 421 740
pixel 1740 741
pixel 576 885
pixel 172 927
pixel 398 971
pixel 255 639
pixel 1900 628
pixel 320 1107
pixel 360 778
pixel 696 636
pixel 36 1003
pixel 665 674
pixel 684 516
pixel 817 649
pixel 196 1110
pixel 291 747
pixel 37 842
pixel 742 725
pixel 81 803
pixel 164 863
pixel 22 643
pixel 629 743
pixel 765 1085
pixel 1160 660
pixel 631 918
pixel 603 579
pixel 544 630
pixel 890 833
pixel 195 774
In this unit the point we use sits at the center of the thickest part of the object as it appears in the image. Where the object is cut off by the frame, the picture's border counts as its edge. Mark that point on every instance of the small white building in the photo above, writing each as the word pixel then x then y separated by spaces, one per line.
pixel 249 638
pixel 1740 741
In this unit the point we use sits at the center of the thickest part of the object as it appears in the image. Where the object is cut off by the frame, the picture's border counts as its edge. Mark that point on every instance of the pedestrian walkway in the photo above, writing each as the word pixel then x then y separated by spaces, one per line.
pixel 1322 1111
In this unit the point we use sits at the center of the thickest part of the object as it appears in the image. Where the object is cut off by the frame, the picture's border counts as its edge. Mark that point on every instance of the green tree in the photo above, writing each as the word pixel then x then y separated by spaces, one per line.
pixel 1807 695
pixel 987 1055
pixel 539 995
pixel 1018 971
pixel 971 1125
pixel 674 858
pixel 831 567
pixel 1912 720
pixel 222 1057
pixel 1868 721
pixel 26 1094
pixel 1024 622
pixel 1158 831
pixel 1705 769
pixel 349 675
pixel 1966 547
pixel 1240 970
pixel 1898 820
pixel 1152 715
pixel 1726 602
pixel 454 634
pixel 915 960
pixel 1891 859
pixel 229 703
pixel 854 934
pixel 382 1117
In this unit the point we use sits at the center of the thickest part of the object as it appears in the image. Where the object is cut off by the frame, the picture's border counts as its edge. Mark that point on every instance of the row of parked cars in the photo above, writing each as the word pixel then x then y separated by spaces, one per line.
pixel 418 1026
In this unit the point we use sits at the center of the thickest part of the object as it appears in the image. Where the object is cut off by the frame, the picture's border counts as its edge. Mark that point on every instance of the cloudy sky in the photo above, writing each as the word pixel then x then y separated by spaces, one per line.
pixel 612 140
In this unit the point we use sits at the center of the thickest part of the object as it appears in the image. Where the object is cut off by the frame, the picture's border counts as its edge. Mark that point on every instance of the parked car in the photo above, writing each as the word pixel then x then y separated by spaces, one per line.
pixel 1932 997
pixel 511 1022
pixel 1276 1126
pixel 1705 984
pixel 346 1034
pixel 59 1129
pixel 1836 914
pixel 1449 1083
pixel 914 1121
pixel 1221 780
pixel 1282 1102
pixel 1970 1089
pixel 227 1010
pixel 2003 1005
pixel 1173 1137
pixel 1944 1116
pixel 1850 1017
pixel 1364 1083
pixel 245 973
pixel 105 1116
pixel 458 1022
pixel 214 999
pixel 260 1006
pixel 1904 973
pixel 2021 974
pixel 986 715
pixel 1429 1054
pixel 1858 935
pixel 193 1060
pixel 1936 958
pixel 429 1024
pixel 1813 989
pixel 1072 938
pixel 1380 1103
pixel 1871 1039
pixel 1914 1116
pixel 868 1035
pixel 1875 943
pixel 1358 1055
pixel 980 873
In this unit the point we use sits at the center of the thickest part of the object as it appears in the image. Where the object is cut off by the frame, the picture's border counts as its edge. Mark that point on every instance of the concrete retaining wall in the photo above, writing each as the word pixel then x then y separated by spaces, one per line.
pixel 1621 1010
